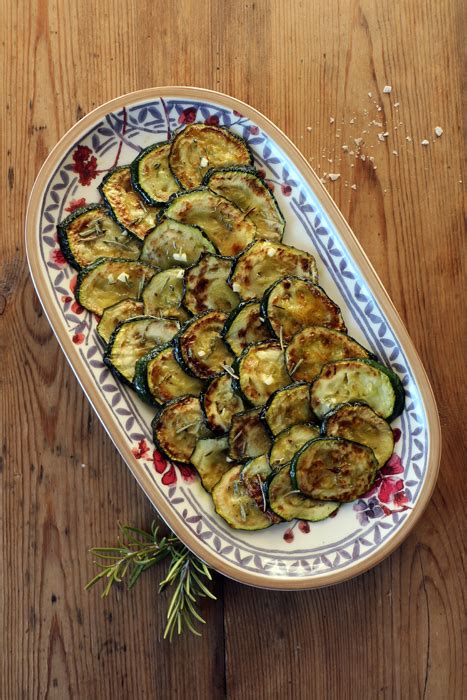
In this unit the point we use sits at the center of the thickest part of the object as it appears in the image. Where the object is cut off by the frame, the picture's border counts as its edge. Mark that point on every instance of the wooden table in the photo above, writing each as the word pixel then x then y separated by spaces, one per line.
pixel 310 66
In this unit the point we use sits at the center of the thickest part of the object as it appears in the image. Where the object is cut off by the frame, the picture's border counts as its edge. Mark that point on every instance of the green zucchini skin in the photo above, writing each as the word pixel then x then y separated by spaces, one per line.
pixel 235 506
pixel 205 285
pixel 248 436
pixel 137 177
pixel 333 469
pixel 289 442
pixel 290 505
pixel 357 379
pixel 163 295
pixel 220 403
pixel 123 310
pixel 190 333
pixel 177 162
pixel 211 468
pixel 322 311
pixel 358 422
pixel 170 235
pixel 167 328
pixel 140 381
pixel 258 396
pixel 147 220
pixel 269 225
pixel 288 406
pixel 245 327
pixel 154 396
pixel 179 446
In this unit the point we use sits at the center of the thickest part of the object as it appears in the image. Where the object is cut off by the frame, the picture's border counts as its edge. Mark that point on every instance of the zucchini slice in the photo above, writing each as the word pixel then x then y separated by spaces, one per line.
pixel 245 326
pixel 132 339
pixel 358 380
pixel 211 460
pixel 310 349
pixel 110 280
pixel 334 469
pixel 261 371
pixel 290 504
pixel 250 193
pixel 235 506
pixel 248 436
pixel 198 147
pixel 115 314
pixel 151 176
pixel 90 233
pixel 220 403
pixel 265 262
pixel 223 223
pixel 358 422
pixel 163 295
pixel 254 476
pixel 199 347
pixel 178 426
pixel 287 443
pixel 159 377
pixel 173 244
pixel 125 205
pixel 206 287
pixel 288 406
pixel 292 304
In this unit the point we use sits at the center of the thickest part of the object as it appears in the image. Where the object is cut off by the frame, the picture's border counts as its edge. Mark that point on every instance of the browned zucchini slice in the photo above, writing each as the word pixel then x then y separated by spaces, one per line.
pixel 264 262
pixel 290 504
pixel 310 349
pixel 198 147
pixel 287 443
pixel 117 313
pixel 211 461
pixel 245 326
pixel 248 436
pixel 223 223
pixel 173 244
pixel 261 371
pixel 159 377
pixel 292 304
pixel 125 205
pixel 250 193
pixel 288 406
pixel 220 403
pixel 110 280
pixel 151 176
pixel 199 347
pixel 163 295
pixel 178 426
pixel 334 469
pixel 235 506
pixel 206 287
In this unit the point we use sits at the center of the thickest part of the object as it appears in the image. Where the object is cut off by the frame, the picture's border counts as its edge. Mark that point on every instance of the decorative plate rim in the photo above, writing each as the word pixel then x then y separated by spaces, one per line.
pixel 104 413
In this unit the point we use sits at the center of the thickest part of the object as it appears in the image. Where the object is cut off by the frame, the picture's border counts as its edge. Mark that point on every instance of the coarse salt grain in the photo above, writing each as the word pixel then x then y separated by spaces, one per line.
pixel 387 89
pixel 334 176
pixel 425 142
pixel 353 187
pixel 204 162
pixel 331 120
pixel 438 131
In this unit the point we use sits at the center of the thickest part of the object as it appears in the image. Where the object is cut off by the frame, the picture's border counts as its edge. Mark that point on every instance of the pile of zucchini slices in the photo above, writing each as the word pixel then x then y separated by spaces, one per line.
pixel 224 329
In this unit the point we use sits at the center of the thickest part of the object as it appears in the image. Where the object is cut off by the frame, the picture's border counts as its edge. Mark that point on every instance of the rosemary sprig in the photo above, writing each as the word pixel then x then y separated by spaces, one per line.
pixel 138 551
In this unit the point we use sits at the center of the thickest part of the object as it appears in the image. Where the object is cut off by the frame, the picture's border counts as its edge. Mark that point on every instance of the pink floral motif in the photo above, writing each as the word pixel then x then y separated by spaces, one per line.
pixel 58 257
pixel 286 190
pixel 387 490
pixel 78 338
pixel 142 450
pixel 304 527
pixel 188 116
pixel 254 130
pixel 163 466
pixel 75 204
pixel 213 120
pixel 85 164
pixel 288 535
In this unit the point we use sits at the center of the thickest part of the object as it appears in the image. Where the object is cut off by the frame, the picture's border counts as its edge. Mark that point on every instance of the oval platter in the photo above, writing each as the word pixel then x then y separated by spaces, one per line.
pixel 295 555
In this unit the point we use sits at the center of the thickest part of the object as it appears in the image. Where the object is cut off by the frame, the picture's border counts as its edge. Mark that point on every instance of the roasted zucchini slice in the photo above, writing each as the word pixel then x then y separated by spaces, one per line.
pixel 125 205
pixel 288 406
pixel 90 233
pixel 178 426
pixel 198 147
pixel 250 193
pixel 265 262
pixel 151 176
pixel 173 244
pixel 245 326
pixel 292 304
pixel 220 403
pixel 235 506
pixel 254 476
pixel 358 422
pixel 261 371
pixel 115 314
pixel 199 347
pixel 163 295
pixel 110 280
pixel 206 287
pixel 310 349
pixel 287 443
pixel 333 469
pixel 223 223
pixel 132 339
pixel 248 436
pixel 289 503
pixel 211 460
pixel 358 380
pixel 159 377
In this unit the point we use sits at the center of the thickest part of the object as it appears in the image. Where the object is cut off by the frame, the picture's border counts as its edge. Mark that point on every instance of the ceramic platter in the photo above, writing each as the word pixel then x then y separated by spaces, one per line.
pixel 294 555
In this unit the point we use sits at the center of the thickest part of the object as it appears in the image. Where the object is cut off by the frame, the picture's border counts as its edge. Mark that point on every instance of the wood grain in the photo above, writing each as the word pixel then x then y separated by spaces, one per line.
pixel 394 632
